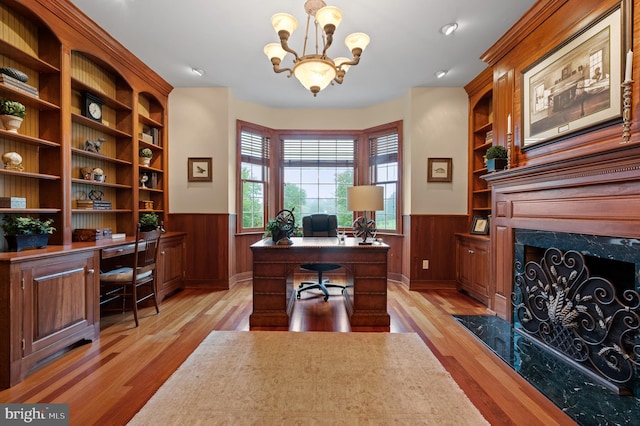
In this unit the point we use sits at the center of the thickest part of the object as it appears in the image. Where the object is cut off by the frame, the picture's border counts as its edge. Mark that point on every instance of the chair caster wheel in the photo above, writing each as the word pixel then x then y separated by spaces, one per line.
pixel 298 296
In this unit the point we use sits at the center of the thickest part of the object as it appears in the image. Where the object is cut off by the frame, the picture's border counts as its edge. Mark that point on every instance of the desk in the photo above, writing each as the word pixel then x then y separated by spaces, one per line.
pixel 49 298
pixel 274 292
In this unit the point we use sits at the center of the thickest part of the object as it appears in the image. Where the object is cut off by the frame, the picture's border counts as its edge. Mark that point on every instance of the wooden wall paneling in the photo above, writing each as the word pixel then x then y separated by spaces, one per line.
pixel 406 249
pixel 207 248
pixel 433 239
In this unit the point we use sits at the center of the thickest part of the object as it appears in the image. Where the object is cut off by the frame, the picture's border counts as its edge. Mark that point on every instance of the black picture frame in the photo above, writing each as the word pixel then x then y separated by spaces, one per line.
pixel 480 225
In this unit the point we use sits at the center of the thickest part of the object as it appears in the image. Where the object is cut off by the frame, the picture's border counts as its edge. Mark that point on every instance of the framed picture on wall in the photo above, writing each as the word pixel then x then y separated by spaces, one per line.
pixel 439 169
pixel 199 169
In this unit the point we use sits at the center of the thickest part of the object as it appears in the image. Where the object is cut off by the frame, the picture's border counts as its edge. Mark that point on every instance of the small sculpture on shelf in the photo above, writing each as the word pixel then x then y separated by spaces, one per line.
pixel 86 173
pixel 98 175
pixel 143 181
pixel 12 161
pixel 94 146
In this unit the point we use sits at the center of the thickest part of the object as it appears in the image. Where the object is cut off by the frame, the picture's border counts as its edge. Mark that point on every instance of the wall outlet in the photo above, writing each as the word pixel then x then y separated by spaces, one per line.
pixel 425 264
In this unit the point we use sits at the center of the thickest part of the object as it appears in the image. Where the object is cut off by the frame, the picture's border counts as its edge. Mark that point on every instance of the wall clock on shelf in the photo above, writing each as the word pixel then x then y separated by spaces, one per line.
pixel 92 107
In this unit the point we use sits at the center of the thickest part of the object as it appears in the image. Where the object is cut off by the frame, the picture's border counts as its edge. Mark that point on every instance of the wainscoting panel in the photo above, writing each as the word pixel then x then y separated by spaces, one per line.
pixel 432 238
pixel 208 247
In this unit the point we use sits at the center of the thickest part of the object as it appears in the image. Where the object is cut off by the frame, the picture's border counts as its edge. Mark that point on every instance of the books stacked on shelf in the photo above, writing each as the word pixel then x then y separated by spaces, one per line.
pixel 153 180
pixel 19 85
pixel 13 202
pixel 145 137
pixel 93 204
pixel 155 135
pixel 489 137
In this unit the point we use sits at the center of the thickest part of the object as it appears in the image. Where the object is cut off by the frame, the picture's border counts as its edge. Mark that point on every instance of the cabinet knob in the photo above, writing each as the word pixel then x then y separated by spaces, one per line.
pixel 162 252
pixel 471 251
pixel 91 271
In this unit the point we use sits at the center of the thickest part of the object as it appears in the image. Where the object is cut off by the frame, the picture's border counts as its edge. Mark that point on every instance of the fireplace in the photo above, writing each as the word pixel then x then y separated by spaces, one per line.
pixel 578 296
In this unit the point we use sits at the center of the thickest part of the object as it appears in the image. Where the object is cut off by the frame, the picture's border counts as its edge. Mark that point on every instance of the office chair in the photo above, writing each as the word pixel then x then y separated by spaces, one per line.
pixel 123 283
pixel 319 225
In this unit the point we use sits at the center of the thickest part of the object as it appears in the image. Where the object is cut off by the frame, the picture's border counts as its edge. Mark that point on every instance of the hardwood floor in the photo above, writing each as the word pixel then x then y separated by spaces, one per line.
pixel 106 382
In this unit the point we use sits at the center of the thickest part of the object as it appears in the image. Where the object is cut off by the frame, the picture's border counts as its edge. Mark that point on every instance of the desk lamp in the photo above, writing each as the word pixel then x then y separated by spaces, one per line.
pixel 362 199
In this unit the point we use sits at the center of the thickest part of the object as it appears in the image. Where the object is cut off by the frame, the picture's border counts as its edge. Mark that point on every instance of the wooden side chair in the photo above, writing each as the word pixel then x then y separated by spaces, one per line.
pixel 134 288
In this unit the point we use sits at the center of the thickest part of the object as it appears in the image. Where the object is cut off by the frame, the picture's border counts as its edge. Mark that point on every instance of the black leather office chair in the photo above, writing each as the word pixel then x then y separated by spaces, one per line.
pixel 319 225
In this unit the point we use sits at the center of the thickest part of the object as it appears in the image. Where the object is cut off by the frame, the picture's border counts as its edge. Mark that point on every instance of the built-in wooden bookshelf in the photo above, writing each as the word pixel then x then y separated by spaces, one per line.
pixel 65 59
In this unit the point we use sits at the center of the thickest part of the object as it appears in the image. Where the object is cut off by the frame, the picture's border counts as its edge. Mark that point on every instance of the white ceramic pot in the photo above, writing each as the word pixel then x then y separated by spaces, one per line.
pixel 145 161
pixel 11 122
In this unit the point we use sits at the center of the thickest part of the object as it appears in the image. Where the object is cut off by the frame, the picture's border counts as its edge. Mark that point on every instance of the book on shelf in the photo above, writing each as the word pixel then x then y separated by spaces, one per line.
pixel 155 136
pixel 489 136
pixel 13 202
pixel 145 137
pixel 19 85
pixel 93 204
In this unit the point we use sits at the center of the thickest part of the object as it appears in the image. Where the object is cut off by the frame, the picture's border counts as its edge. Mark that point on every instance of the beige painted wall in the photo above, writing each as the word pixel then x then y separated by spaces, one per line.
pixel 202 123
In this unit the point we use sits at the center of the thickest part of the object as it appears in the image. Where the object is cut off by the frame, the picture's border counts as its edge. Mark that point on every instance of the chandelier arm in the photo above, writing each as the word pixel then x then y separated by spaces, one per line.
pixel 277 69
pixel 328 30
pixel 284 37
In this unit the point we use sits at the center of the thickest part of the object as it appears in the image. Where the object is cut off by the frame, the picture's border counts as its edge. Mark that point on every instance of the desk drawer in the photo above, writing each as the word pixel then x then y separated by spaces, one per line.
pixel 117 251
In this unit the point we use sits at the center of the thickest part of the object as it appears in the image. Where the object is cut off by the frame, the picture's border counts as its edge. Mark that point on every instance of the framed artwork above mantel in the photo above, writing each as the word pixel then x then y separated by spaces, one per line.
pixel 576 85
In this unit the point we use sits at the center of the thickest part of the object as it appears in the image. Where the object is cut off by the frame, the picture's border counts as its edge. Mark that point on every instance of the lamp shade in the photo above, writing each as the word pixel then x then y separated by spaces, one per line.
pixel 284 21
pixel 357 40
pixel 365 198
pixel 314 73
pixel 341 60
pixel 274 50
pixel 329 15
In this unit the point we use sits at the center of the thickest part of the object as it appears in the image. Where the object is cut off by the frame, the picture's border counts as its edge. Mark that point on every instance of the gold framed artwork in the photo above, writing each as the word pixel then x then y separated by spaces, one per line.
pixel 577 84
pixel 199 169
pixel 439 169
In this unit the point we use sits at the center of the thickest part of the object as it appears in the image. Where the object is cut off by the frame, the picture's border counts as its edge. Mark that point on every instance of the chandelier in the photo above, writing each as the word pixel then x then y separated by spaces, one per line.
pixel 314 70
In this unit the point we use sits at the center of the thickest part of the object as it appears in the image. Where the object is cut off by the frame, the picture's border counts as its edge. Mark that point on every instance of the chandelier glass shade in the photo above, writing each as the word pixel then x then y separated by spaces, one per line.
pixel 316 70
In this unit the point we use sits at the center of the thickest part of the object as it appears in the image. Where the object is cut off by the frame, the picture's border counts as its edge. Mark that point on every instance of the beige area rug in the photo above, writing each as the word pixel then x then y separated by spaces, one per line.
pixel 315 378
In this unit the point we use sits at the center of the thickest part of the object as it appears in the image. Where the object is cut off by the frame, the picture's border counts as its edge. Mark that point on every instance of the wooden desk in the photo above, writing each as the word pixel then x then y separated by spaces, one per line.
pixel 273 288
pixel 49 297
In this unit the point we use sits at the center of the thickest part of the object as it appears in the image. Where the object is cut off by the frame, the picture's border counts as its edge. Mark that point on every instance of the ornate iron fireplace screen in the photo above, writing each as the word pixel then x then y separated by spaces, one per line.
pixel 582 317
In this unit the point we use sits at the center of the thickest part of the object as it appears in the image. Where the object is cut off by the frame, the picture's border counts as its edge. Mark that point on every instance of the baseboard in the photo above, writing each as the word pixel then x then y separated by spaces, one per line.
pixel 432 285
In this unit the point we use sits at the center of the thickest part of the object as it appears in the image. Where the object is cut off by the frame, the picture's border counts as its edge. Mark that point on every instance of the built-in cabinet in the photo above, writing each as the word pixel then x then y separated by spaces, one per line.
pixel 47 303
pixel 82 171
pixel 473 258
pixel 473 254
pixel 172 261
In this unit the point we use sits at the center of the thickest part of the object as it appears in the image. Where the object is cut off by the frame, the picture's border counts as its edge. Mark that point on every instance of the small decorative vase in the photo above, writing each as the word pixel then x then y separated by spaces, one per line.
pixel 11 122
pixel 145 161
pixel 496 164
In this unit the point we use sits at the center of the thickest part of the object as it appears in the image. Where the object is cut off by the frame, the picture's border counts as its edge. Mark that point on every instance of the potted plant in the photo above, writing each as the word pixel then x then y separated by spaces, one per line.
pixel 145 156
pixel 149 222
pixel 24 232
pixel 11 114
pixel 496 158
pixel 273 230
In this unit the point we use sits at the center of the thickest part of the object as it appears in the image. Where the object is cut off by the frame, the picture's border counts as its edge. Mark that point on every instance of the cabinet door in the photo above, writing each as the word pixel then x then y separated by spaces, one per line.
pixel 171 265
pixel 480 265
pixel 464 267
pixel 59 303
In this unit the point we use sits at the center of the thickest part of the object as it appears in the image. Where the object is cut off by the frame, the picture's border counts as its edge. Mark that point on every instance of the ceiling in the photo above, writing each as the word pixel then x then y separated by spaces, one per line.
pixel 226 38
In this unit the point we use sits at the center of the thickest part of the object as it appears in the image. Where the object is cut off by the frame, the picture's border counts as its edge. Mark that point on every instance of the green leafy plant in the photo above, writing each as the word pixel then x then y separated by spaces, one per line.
pixel 149 221
pixel 14 108
pixel 496 151
pixel 25 225
pixel 271 229
pixel 146 153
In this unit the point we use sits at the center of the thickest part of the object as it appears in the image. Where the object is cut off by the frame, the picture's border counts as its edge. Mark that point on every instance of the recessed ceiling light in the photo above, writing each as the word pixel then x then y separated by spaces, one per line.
pixel 440 74
pixel 449 28
pixel 199 72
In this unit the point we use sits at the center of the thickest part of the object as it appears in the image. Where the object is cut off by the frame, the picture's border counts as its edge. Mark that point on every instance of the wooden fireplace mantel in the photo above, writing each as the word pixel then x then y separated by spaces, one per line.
pixel 595 195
